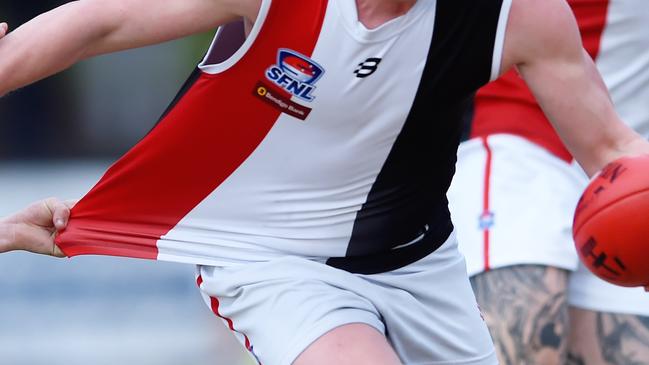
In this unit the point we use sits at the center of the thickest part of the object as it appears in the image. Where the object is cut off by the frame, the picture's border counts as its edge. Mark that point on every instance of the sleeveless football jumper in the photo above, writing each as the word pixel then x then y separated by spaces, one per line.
pixel 317 137
pixel 616 35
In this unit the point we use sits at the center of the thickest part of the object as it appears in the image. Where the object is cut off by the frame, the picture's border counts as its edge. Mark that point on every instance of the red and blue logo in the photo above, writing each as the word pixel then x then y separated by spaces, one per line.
pixel 487 220
pixel 295 73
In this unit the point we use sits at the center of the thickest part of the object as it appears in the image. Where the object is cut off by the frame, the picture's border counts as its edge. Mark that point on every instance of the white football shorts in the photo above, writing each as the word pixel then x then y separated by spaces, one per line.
pixel 591 293
pixel 513 203
pixel 426 309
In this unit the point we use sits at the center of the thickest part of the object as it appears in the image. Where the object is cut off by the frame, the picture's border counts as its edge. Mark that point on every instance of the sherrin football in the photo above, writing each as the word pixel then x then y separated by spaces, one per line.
pixel 611 225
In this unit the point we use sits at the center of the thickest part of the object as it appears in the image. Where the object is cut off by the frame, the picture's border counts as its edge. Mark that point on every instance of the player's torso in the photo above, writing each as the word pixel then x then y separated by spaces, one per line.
pixel 616 34
pixel 338 110
pixel 317 137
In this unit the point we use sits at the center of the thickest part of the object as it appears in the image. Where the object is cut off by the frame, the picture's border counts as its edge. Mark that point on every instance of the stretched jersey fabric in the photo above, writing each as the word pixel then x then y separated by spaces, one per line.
pixel 317 137
pixel 616 34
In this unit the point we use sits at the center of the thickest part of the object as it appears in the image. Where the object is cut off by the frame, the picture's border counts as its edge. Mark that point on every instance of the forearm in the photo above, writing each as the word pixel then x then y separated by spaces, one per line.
pixel 625 143
pixel 57 39
pixel 7 236
pixel 582 112
pixel 48 44
pixel 544 43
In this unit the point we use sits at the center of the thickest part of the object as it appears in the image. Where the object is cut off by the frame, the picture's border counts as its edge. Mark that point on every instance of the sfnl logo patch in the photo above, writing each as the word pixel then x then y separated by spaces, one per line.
pixel 295 74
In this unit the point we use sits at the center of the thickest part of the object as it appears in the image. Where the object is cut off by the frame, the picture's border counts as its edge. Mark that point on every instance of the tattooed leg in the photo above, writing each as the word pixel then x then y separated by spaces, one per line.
pixel 526 310
pixel 599 338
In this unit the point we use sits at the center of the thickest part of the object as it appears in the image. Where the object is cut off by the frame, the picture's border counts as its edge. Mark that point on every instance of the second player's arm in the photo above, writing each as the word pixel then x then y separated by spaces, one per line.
pixel 543 42
pixel 59 38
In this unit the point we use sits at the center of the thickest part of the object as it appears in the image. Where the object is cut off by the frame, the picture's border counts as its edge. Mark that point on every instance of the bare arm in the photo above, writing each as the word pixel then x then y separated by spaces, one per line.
pixel 543 42
pixel 59 38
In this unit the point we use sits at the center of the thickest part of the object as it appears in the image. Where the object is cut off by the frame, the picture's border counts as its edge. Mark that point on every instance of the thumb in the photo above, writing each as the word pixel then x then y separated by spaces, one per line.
pixel 4 27
pixel 60 213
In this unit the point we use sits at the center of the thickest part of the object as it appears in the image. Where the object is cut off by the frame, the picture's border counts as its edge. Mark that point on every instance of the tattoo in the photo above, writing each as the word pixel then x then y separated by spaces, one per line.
pixel 574 359
pixel 610 338
pixel 526 310
pixel 621 337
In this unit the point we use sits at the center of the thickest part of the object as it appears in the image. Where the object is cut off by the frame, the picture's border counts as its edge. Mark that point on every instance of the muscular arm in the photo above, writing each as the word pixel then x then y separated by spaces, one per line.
pixel 57 39
pixel 543 42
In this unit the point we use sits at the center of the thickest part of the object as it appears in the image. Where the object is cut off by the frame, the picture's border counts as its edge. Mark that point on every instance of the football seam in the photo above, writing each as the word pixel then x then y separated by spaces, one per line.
pixel 585 220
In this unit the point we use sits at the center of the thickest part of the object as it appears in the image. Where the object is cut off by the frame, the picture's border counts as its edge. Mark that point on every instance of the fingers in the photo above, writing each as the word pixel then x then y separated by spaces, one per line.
pixel 34 228
pixel 4 28
pixel 51 214
pixel 70 203
pixel 56 251
pixel 60 217
pixel 60 212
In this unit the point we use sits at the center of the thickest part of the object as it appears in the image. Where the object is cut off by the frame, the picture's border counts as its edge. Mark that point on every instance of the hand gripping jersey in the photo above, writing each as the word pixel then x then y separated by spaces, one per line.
pixel 317 137
pixel 616 34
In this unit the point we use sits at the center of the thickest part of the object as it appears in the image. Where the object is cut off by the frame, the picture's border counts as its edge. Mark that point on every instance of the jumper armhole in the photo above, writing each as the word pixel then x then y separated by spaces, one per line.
pixel 230 43
pixel 499 46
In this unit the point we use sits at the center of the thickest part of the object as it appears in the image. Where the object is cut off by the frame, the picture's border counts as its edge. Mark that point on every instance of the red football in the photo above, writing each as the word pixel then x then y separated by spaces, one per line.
pixel 611 226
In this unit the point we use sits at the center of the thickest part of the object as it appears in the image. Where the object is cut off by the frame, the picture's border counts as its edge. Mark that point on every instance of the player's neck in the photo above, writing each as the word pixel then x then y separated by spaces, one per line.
pixel 374 13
